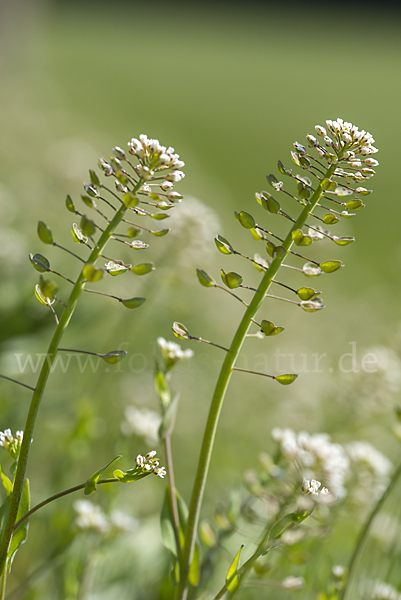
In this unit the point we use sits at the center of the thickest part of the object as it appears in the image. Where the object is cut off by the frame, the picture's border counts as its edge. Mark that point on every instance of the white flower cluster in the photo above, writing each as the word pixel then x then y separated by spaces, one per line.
pixel 378 590
pixel 374 469
pixel 346 135
pixel 315 453
pixel 172 352
pixel 10 443
pixel 313 487
pixel 150 464
pixel 153 158
pixel 91 516
pixel 352 147
pixel 142 422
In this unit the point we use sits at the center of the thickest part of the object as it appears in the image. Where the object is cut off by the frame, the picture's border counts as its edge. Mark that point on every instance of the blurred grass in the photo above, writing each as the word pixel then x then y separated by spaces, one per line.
pixel 231 89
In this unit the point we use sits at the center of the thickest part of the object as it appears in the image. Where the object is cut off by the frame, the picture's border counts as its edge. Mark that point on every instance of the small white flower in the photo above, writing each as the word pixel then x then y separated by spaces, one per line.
pixel 142 422
pixel 293 583
pixel 90 516
pixel 320 130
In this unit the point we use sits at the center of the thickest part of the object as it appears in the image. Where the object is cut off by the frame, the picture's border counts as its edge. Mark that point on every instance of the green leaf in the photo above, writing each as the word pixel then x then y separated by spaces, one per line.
pixel 47 287
pixel 167 528
pixel 279 252
pixel 160 232
pixel 295 158
pixel 160 216
pixel 92 273
pixel 168 421
pixel 143 268
pixel 270 204
pixel 116 268
pixel 4 508
pixel 88 201
pixel 69 204
pixel 194 568
pixel 205 279
pixel 44 233
pixel 311 270
pixel 354 205
pixel 133 302
pixel 39 262
pixel 270 329
pixel 245 219
pixel 91 483
pixel 305 293
pixel 300 239
pixel 231 280
pixel 312 305
pixel 8 486
pixel 162 389
pixel 180 331
pixel 232 579
pixel 114 356
pixel 283 170
pixel 330 219
pixel 223 245
pixel 258 234
pixel 91 190
pixel 132 232
pixel 87 226
pixel 344 241
pixel 287 378
pixel 41 297
pixel 329 266
pixel 327 184
pixel 270 248
pixel 93 177
pixel 77 235
pixel 20 536
pixel 130 200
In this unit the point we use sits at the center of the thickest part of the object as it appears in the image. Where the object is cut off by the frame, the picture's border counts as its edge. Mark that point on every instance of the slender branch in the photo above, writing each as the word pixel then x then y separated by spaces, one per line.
pixel 76 488
pixel 254 372
pixel 220 391
pixel 19 382
pixel 69 252
pixel 220 287
pixel 198 339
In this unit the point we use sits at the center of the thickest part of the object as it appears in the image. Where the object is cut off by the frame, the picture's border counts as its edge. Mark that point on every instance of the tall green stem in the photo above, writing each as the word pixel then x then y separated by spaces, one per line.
pixel 220 391
pixel 41 384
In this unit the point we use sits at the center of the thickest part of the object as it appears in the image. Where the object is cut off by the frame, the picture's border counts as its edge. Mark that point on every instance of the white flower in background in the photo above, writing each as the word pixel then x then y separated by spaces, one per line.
pixel 378 590
pixel 90 516
pixel 172 352
pixel 366 454
pixel 374 468
pixel 338 571
pixel 10 443
pixel 293 583
pixel 122 522
pixel 142 422
pixel 315 453
pixel 194 225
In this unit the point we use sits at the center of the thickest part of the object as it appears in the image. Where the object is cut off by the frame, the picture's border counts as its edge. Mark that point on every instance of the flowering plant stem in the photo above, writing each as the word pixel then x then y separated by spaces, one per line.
pixel 42 380
pixel 221 387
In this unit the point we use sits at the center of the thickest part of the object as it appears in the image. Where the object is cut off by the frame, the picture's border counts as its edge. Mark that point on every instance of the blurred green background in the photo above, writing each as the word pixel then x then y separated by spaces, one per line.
pixel 230 87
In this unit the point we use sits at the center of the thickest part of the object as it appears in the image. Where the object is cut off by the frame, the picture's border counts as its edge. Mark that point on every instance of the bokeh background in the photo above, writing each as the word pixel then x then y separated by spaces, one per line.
pixel 230 86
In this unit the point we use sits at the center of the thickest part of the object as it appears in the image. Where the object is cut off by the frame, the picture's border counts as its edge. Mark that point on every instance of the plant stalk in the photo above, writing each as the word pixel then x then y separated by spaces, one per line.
pixel 41 384
pixel 220 391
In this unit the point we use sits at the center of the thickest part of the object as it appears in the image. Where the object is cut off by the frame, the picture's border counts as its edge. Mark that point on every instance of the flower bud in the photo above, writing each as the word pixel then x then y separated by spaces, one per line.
pixel 371 162
pixel 320 130
pixel 167 185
